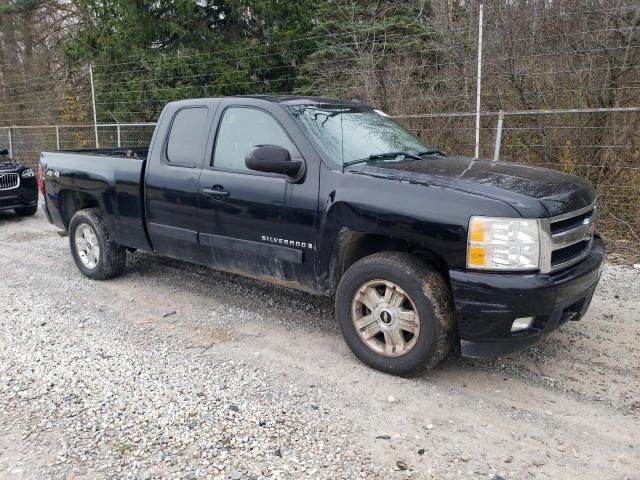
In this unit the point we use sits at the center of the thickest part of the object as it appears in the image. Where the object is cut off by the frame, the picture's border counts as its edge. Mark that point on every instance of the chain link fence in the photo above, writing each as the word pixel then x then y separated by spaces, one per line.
pixel 4 138
pixel 600 145
pixel 26 142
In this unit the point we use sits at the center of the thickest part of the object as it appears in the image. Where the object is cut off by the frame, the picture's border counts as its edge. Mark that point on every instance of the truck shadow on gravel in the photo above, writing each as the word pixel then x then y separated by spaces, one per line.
pixel 313 314
pixel 235 290
pixel 568 362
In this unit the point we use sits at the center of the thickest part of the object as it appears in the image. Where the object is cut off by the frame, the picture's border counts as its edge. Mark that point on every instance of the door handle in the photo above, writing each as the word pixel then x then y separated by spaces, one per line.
pixel 216 191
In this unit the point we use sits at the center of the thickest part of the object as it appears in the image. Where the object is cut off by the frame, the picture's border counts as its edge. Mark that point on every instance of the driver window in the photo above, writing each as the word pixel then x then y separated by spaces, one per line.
pixel 242 128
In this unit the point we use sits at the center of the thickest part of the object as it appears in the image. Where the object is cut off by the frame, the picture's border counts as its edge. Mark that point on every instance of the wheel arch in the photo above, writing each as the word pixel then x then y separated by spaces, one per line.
pixel 71 201
pixel 351 246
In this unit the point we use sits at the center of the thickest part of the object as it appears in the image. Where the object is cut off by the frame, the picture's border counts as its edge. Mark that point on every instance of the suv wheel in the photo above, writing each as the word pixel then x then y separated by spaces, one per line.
pixel 395 312
pixel 95 254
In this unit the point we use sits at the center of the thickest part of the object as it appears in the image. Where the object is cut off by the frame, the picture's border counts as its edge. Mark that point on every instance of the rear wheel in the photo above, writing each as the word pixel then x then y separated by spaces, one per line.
pixel 95 254
pixel 26 211
pixel 395 312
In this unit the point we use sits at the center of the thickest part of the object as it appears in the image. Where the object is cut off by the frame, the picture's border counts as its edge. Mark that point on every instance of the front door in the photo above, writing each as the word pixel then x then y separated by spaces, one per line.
pixel 256 223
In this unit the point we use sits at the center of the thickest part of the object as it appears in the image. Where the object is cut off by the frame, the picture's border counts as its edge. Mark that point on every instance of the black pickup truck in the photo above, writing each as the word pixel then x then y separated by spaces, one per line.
pixel 18 189
pixel 420 250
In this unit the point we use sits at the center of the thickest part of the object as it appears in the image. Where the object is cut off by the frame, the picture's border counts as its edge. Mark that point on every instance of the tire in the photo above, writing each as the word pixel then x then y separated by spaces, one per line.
pixel 426 293
pixel 87 229
pixel 26 211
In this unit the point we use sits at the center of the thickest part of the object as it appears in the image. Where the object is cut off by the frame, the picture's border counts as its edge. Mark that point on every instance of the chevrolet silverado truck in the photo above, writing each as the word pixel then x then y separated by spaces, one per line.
pixel 422 251
pixel 18 188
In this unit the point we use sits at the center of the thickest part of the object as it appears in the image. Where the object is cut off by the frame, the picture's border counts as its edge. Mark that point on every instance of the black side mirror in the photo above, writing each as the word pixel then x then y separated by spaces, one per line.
pixel 272 159
pixel 4 151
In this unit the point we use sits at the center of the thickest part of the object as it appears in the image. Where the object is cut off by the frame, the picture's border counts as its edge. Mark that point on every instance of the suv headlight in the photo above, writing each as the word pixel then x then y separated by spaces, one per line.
pixel 28 173
pixel 503 244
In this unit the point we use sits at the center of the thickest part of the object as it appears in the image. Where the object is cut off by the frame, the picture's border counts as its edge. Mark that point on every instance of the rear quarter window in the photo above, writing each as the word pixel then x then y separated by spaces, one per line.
pixel 187 138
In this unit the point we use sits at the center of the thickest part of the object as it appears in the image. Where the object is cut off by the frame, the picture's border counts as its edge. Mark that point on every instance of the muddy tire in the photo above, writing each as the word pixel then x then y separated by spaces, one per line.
pixel 26 211
pixel 396 313
pixel 95 254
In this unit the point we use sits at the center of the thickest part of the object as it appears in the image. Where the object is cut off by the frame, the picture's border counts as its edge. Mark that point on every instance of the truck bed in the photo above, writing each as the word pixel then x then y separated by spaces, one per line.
pixel 109 178
pixel 130 152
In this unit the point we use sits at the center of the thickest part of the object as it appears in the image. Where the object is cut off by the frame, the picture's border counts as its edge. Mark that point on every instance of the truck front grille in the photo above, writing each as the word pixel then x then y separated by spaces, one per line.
pixel 571 237
pixel 9 181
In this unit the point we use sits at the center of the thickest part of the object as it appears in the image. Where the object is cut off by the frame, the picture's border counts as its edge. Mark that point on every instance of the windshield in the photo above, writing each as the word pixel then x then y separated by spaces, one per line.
pixel 348 134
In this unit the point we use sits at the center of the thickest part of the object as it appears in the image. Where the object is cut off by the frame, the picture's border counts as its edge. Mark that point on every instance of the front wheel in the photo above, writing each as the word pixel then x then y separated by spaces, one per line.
pixel 26 211
pixel 95 254
pixel 395 312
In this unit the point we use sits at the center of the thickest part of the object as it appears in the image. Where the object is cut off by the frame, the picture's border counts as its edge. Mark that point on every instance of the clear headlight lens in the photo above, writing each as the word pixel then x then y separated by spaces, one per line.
pixel 28 173
pixel 503 244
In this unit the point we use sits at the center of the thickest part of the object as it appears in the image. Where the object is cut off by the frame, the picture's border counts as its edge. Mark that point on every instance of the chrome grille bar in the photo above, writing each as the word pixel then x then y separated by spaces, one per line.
pixel 567 239
pixel 570 237
pixel 561 239
pixel 9 181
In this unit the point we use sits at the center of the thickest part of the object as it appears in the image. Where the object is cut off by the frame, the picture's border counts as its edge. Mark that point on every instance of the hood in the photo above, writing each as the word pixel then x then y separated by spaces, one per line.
pixel 8 164
pixel 523 186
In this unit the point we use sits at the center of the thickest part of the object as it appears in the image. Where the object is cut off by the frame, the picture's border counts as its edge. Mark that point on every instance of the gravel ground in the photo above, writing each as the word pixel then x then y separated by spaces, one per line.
pixel 177 371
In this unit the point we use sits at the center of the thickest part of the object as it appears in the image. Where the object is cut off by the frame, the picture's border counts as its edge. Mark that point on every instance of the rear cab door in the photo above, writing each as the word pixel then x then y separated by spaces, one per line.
pixel 255 223
pixel 179 146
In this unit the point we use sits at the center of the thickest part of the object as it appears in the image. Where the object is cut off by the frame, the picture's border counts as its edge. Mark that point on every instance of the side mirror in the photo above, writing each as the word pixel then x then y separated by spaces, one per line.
pixel 4 151
pixel 272 159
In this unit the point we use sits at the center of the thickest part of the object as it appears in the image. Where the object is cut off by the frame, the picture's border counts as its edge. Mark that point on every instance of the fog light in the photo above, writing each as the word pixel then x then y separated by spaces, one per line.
pixel 523 323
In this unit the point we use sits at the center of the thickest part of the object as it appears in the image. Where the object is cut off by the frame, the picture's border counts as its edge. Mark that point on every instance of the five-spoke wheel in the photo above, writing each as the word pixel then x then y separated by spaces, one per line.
pixel 385 317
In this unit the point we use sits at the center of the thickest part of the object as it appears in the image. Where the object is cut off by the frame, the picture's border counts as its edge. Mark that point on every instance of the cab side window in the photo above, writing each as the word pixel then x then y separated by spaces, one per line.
pixel 242 128
pixel 187 140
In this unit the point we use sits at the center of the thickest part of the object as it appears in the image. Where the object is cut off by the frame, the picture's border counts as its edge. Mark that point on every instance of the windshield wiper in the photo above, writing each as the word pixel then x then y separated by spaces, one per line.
pixel 394 155
pixel 381 156
pixel 432 152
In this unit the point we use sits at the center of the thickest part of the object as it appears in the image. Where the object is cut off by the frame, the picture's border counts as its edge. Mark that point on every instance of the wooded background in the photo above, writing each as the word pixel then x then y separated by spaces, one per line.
pixel 417 60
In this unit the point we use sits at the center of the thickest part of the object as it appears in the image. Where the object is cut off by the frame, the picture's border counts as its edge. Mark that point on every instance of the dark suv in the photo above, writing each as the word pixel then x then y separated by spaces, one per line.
pixel 18 186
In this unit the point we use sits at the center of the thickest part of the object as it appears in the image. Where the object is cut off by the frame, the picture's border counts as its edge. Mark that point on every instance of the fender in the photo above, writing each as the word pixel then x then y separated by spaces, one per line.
pixel 365 214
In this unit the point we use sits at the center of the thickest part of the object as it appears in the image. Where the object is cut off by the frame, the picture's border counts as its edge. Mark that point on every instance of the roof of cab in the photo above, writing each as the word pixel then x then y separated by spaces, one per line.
pixel 300 100
pixel 281 99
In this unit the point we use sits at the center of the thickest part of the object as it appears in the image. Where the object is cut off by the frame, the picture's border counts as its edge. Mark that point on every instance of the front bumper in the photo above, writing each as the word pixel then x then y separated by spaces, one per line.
pixel 18 198
pixel 487 304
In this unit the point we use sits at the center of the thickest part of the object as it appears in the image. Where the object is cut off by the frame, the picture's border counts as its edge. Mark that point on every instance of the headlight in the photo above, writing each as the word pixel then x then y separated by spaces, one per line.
pixel 28 173
pixel 503 244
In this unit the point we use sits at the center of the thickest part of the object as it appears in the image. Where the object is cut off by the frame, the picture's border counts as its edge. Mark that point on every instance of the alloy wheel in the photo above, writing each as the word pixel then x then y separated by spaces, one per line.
pixel 87 246
pixel 385 318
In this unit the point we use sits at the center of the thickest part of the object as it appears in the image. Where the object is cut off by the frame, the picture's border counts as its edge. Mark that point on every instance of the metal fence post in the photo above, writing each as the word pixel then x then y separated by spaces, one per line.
pixel 479 83
pixel 118 130
pixel 57 137
pixel 10 143
pixel 496 151
pixel 93 101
